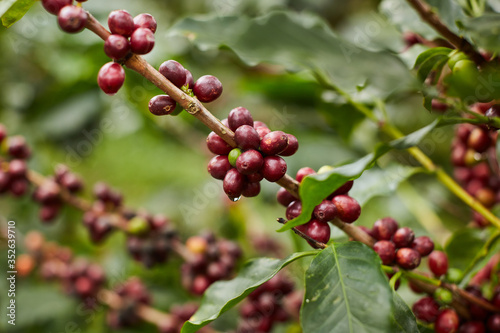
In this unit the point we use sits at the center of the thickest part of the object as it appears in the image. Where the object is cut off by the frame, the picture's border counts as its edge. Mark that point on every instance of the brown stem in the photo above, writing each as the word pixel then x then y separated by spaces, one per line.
pixel 429 16
pixel 314 243
pixel 471 297
pixel 354 232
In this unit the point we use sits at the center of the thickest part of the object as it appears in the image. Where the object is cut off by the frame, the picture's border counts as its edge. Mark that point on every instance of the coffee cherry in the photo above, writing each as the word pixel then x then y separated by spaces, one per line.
pixel 438 263
pixel 447 321
pixel 319 231
pixel 238 117
pixel 142 41
pixel 47 193
pixel 200 284
pixel 17 147
pixel 145 21
pixel 251 190
pixel 493 323
pixel 17 168
pixel 443 296
pixel 162 105
pixel 207 88
pixel 385 228
pixel 72 19
pixel 407 258
pixel 274 143
pixel 325 211
pixel 246 137
pixel 233 156
pixel 3 132
pixel 255 177
pixel 294 209
pixel 479 140
pixel 116 47
pixel 71 182
pixel 274 168
pixel 18 187
pixel 4 181
pixel 403 237
pixel 189 81
pixel 293 146
pixel 111 77
pixel 121 22
pixel 217 145
pixel 472 327
pixel 174 72
pixel 426 309
pixel 423 245
pixel 219 166
pixel 284 197
pixel 54 6
pixel 348 209
pixel 233 183
pixel 386 251
pixel 251 161
pixel 48 212
pixel 305 171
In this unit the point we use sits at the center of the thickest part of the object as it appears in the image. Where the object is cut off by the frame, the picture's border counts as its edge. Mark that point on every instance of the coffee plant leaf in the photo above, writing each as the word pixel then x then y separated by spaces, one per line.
pixel 12 11
pixel 484 31
pixel 464 244
pixel 403 316
pixel 339 299
pixel 305 42
pixel 223 295
pixel 314 188
pixel 432 60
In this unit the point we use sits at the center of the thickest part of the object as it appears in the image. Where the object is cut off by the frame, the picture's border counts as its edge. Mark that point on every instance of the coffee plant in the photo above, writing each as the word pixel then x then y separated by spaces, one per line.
pixel 368 203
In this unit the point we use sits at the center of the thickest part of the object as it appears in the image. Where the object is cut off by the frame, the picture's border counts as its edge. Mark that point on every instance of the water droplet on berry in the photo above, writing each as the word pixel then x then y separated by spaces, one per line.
pixel 235 199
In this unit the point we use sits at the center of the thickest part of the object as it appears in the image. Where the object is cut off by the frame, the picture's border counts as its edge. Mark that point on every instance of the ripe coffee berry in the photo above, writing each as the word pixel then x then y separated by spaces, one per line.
pixel 142 41
pixel 17 168
pixel 305 171
pixel 423 245
pixel 174 72
pixel 472 327
pixel 233 183
pixel 348 209
pixel 438 263
pixel 116 46
pixel 385 228
pixel 217 145
pixel 72 19
pixel 426 309
pixel 162 105
pixel 447 321
pixel 284 197
pixel 251 190
pixel 121 22
pixel 17 147
pixel 293 146
pixel 207 88
pixel 274 143
pixel 407 258
pixel 189 84
pixel 3 132
pixel 274 168
pixel 294 209
pixel 219 166
pixel 111 77
pixel 479 140
pixel 493 323
pixel 238 117
pixel 246 137
pixel 403 237
pixel 54 6
pixel 250 161
pixel 145 21
pixel 386 251
pixel 319 231
pixel 325 211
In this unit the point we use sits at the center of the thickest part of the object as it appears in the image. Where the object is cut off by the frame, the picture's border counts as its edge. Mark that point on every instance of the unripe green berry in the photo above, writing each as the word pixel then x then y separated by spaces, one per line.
pixel 325 168
pixel 443 296
pixel 454 275
pixel 455 57
pixel 137 226
pixel 233 156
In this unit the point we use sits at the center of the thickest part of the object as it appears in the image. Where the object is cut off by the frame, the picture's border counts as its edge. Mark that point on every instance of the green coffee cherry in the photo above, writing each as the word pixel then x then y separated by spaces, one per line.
pixel 137 226
pixel 443 296
pixel 455 57
pixel 233 156
pixel 454 275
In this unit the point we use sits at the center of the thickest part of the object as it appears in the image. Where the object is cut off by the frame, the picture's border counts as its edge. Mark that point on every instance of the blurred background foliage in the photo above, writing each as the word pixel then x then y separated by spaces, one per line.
pixel 48 93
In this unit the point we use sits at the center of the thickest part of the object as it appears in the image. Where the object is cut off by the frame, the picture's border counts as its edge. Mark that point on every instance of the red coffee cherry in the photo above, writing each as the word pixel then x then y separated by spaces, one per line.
pixel 54 6
pixel 207 88
pixel 293 146
pixel 233 183
pixel 479 140
pixel 385 228
pixel 174 72
pixel 111 77
pixel 72 19
pixel 386 251
pixel 325 211
pixel 438 263
pixel 294 209
pixel 348 209
pixel 246 137
pixel 447 321
pixel 116 47
pixel 304 172
pixel 424 245
pixel 142 41
pixel 121 22
pixel 251 190
pixel 319 231
pixel 162 105
pixel 217 145
pixel 250 161
pixel 145 21
pixel 274 143
pixel 408 258
pixel 239 116
pixel 403 237
pixel 426 309
pixel 274 168
pixel 472 327
pixel 284 197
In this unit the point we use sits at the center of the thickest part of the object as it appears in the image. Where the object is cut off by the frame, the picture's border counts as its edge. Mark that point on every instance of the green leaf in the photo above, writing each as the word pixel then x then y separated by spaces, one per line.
pixel 428 54
pixel 489 248
pixel 403 316
pixel 484 31
pixel 315 188
pixel 223 295
pixel 13 10
pixel 305 42
pixel 431 60
pixel 463 246
pixel 338 297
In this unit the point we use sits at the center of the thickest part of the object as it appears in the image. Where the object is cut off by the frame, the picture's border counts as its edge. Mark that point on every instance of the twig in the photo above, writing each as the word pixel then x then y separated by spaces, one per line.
pixel 314 243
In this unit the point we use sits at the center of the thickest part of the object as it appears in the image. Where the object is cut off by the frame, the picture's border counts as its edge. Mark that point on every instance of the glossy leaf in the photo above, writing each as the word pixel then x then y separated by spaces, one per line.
pixel 223 295
pixel 315 188
pixel 463 246
pixel 338 297
pixel 305 42
pixel 403 316
pixel 13 10
pixel 484 31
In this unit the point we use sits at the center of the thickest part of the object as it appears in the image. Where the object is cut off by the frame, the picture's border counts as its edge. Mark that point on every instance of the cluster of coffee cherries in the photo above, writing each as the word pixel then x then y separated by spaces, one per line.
pixel 255 158
pixel 266 305
pixel 83 280
pixel 211 260
pixel 397 245
pixel 435 309
pixel 207 88
pixel 128 35
pixel 475 164
pixel 132 293
pixel 150 238
pixel 13 167
pixel 337 205
pixel 48 194
pixel 71 18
